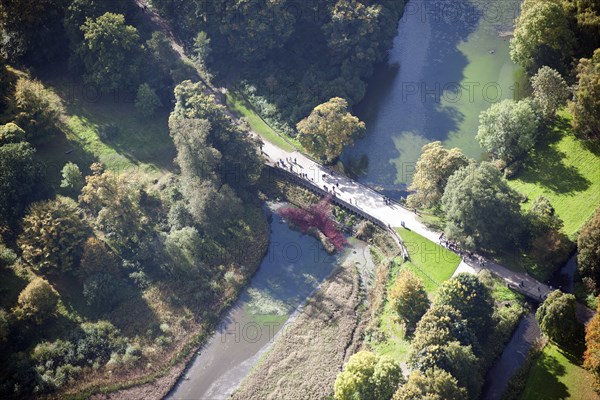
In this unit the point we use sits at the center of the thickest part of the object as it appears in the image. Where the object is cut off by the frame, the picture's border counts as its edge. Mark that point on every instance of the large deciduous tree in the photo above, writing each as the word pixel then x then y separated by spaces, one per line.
pixel 542 37
pixel 442 324
pixel 111 51
pixel 368 376
pixel 434 167
pixel 481 210
pixel 508 129
pixel 53 235
pixel 588 257
pixel 435 384
pixel 38 108
pixel 558 319
pixel 550 90
pixel 329 128
pixel 591 357
pixel 586 104
pixel 409 298
pixel 466 293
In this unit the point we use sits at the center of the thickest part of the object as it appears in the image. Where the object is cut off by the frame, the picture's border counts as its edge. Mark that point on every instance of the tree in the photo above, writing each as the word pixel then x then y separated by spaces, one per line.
pixel 11 133
pixel 431 385
pixel 115 206
pixel 37 302
pixel 586 105
pixel 409 298
pixel 481 210
pixel 548 244
pixel 558 319
pixel 442 324
pixel 101 291
pixel 433 169
pixel 53 235
pixel 38 108
pixel 550 90
pixel 542 37
pixel 454 358
pixel 255 28
pixel 72 179
pixel 97 258
pixel 588 256
pixel 507 129
pixel 368 376
pixel 111 51
pixel 147 101
pixel 4 326
pixel 20 174
pixel 185 256
pixel 466 293
pixel 329 128
pixel 591 356
pixel 202 49
pixel 586 14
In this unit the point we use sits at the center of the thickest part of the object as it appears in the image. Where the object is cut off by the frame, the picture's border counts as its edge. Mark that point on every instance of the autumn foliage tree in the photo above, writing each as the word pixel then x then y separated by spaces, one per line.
pixel 53 235
pixel 329 128
pixel 368 376
pixel 591 356
pixel 433 384
pixel 409 298
pixel 434 167
pixel 588 256
pixel 586 105
pixel 37 301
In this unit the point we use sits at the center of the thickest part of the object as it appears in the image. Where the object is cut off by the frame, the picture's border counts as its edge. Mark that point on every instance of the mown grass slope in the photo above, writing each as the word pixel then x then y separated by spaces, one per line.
pixel 566 170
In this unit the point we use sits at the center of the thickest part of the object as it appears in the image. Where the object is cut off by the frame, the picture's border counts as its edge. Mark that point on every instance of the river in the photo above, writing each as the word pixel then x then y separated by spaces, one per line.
pixel 450 61
pixel 293 268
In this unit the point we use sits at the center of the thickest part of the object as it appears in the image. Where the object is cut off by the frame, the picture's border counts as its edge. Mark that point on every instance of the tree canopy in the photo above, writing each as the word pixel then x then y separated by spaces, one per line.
pixel 434 167
pixel 409 298
pixel 37 302
pixel 550 90
pixel 481 210
pixel 558 319
pixel 329 128
pixel 466 293
pixel 507 129
pixel 110 52
pixel 53 235
pixel 542 37
pixel 368 376
pixel 586 105
pixel 588 256
pixel 432 385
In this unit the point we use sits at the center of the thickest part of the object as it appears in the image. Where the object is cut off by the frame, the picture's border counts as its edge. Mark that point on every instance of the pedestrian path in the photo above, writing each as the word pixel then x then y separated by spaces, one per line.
pixel 393 214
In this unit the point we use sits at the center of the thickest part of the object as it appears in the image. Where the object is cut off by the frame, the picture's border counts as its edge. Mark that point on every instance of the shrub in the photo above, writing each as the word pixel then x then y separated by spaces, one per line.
pixel 11 133
pixel 37 302
pixel 101 291
pixel 146 101
pixel 72 179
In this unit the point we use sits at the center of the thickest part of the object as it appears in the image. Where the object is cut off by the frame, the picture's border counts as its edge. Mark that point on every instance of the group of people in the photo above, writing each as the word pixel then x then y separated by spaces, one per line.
pixel 469 255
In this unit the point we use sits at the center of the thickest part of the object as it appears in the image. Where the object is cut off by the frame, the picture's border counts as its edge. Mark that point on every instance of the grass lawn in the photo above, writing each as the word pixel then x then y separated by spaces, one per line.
pixel 557 375
pixel 566 170
pixel 240 106
pixel 433 263
pixel 108 130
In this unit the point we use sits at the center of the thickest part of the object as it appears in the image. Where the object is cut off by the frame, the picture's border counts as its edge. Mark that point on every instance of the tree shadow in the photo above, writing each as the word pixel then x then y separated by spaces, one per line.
pixel 549 370
pixel 545 167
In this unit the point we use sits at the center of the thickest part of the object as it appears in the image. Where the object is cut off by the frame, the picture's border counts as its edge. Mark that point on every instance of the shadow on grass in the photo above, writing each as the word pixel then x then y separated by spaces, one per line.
pixel 546 168
pixel 549 370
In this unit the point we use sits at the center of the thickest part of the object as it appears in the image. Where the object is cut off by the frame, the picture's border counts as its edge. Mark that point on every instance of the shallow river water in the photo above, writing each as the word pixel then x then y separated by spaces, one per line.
pixel 293 268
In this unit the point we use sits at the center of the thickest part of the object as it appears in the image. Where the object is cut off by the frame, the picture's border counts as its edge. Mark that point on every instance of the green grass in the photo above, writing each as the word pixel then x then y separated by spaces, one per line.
pixel 139 147
pixel 566 170
pixel 236 103
pixel 558 375
pixel 433 263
